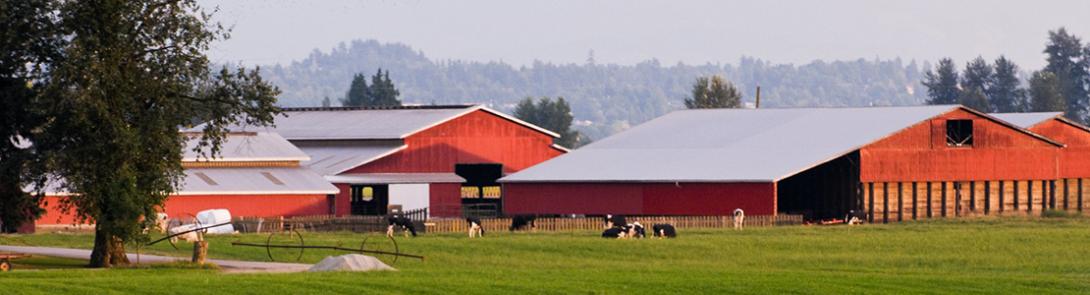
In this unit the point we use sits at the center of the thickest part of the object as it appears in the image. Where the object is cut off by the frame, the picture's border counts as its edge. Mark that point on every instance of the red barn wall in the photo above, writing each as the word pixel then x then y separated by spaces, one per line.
pixel 919 153
pixel 477 137
pixel 239 205
pixel 1075 158
pixel 639 198
pixel 445 199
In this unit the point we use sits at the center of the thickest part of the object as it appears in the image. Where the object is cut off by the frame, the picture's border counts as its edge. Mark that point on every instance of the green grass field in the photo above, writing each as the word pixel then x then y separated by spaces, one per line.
pixel 1010 255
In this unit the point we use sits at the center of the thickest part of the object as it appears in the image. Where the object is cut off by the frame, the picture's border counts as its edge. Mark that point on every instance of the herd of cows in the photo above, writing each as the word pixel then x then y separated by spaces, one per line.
pixel 616 226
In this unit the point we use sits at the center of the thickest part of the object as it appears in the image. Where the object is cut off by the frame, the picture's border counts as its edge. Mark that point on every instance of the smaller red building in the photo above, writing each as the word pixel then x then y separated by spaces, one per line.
pixel 443 158
pixel 1074 164
pixel 257 174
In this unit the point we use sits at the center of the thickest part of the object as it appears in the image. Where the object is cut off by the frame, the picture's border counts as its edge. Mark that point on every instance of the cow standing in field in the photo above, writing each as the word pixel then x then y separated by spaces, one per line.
pixel 522 222
pixel 664 230
pixel 403 222
pixel 475 228
pixel 739 218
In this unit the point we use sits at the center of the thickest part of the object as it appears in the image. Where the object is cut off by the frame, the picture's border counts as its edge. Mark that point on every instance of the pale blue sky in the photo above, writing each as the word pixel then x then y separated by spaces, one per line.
pixel 626 32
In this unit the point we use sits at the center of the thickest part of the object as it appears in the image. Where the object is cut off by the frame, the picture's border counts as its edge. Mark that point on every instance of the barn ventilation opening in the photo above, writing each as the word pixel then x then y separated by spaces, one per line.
pixel 481 193
pixel 959 133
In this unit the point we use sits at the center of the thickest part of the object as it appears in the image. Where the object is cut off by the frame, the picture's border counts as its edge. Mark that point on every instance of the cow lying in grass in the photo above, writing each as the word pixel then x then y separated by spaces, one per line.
pixel 615 221
pixel 633 231
pixel 475 229
pixel 855 217
pixel 663 230
pixel 522 222
pixel 403 222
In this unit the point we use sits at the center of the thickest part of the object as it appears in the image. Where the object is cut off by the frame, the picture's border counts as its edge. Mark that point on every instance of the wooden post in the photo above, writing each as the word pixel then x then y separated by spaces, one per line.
pixel 928 199
pixel 915 200
pixel 942 209
pixel 1015 195
pixel 1052 194
pixel 1029 196
pixel 1001 192
pixel 987 197
pixel 1079 191
pixel 900 201
pixel 885 202
pixel 972 197
pixel 200 251
pixel 870 210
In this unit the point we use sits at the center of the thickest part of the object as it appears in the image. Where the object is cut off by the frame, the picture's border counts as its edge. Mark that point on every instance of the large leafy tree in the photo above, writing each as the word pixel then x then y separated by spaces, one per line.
pixel 1047 92
pixel 1070 63
pixel 942 84
pixel 1005 94
pixel 553 115
pixel 28 38
pixel 714 93
pixel 128 76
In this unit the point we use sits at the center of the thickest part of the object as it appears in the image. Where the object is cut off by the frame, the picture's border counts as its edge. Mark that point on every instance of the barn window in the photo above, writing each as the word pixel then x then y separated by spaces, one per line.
pixel 959 133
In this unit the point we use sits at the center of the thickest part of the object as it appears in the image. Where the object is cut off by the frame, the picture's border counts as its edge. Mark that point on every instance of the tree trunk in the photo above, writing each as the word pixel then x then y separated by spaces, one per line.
pixel 108 251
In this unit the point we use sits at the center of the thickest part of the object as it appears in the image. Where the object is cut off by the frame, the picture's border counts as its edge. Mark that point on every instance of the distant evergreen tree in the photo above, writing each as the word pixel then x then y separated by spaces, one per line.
pixel 714 93
pixel 1005 94
pixel 326 103
pixel 1047 93
pixel 382 91
pixel 358 94
pixel 1070 63
pixel 942 84
pixel 556 116
pixel 975 80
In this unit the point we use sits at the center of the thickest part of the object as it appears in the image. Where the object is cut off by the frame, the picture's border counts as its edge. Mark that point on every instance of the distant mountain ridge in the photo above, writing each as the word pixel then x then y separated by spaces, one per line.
pixel 605 98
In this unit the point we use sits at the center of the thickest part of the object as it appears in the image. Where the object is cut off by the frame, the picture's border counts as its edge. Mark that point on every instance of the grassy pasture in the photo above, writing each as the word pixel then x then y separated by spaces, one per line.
pixel 1008 255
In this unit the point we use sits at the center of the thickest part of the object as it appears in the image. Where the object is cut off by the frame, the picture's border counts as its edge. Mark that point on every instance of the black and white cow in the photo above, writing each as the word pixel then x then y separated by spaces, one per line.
pixel 615 232
pixel 855 217
pixel 615 220
pixel 522 222
pixel 664 230
pixel 636 230
pixel 475 228
pixel 403 222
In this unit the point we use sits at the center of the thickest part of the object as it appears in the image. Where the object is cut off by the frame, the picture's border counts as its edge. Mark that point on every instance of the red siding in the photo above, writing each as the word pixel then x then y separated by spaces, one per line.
pixel 445 199
pixel 239 205
pixel 477 137
pixel 639 198
pixel 343 200
pixel 1075 158
pixel 919 153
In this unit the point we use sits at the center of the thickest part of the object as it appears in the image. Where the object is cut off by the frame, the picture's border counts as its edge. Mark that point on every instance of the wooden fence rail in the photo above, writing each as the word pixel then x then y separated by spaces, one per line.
pixel 446 225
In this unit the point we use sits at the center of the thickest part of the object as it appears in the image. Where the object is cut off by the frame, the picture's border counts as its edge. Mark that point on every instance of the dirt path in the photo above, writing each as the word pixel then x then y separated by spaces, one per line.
pixel 233 266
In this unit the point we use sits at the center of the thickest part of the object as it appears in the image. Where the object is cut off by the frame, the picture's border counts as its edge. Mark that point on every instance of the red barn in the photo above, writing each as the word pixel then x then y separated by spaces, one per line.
pixel 256 174
pixel 445 158
pixel 1074 162
pixel 893 163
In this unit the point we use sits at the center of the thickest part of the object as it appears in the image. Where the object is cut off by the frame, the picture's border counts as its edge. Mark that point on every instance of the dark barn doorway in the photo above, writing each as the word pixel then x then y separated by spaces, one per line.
pixel 370 199
pixel 826 191
pixel 481 194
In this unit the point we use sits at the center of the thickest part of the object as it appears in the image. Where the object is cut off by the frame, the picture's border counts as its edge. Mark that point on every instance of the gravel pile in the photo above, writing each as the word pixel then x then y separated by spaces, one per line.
pixel 350 262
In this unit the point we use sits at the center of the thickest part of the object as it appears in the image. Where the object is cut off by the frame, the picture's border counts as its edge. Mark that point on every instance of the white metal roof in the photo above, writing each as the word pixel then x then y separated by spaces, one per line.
pixel 393 178
pixel 1026 120
pixel 737 145
pixel 349 123
pixel 334 159
pixel 253 146
pixel 253 181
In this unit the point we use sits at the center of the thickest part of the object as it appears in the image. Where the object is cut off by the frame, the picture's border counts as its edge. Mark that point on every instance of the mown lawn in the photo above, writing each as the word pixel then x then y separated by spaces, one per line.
pixel 1010 255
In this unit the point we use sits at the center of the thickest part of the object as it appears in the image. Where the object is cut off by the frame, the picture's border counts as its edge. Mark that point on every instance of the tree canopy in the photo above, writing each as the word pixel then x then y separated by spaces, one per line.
pixel 125 77
pixel 553 115
pixel 1047 92
pixel 942 84
pixel 381 93
pixel 1069 61
pixel 714 93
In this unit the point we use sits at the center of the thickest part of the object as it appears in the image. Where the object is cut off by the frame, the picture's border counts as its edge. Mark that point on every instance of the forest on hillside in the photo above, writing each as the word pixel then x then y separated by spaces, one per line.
pixel 605 98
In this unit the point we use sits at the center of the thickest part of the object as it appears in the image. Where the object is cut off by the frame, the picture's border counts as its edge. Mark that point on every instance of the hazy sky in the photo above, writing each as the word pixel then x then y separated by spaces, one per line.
pixel 626 32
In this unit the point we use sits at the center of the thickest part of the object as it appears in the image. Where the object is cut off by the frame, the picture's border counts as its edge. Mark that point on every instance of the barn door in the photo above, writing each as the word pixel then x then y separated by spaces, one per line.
pixel 370 199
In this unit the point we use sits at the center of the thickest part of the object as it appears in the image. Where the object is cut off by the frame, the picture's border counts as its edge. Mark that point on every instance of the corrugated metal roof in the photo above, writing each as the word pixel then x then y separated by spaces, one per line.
pixel 391 178
pixel 734 145
pixel 250 181
pixel 239 181
pixel 364 123
pixel 256 146
pixel 1026 120
pixel 334 159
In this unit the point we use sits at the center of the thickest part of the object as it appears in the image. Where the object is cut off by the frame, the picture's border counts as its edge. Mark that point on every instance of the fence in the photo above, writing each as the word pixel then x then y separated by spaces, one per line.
pixel 378 223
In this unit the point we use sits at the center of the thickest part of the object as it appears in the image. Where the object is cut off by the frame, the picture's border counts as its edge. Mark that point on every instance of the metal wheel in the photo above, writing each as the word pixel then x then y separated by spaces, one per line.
pixel 387 245
pixel 287 238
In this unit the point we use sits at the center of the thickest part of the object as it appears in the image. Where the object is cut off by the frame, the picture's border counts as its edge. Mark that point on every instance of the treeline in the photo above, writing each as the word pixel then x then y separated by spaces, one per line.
pixel 1063 85
pixel 604 98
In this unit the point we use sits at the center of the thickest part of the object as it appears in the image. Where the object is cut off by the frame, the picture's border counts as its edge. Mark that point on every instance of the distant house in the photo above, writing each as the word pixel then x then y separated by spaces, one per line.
pixel 1074 163
pixel 444 158
pixel 256 174
pixel 893 163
